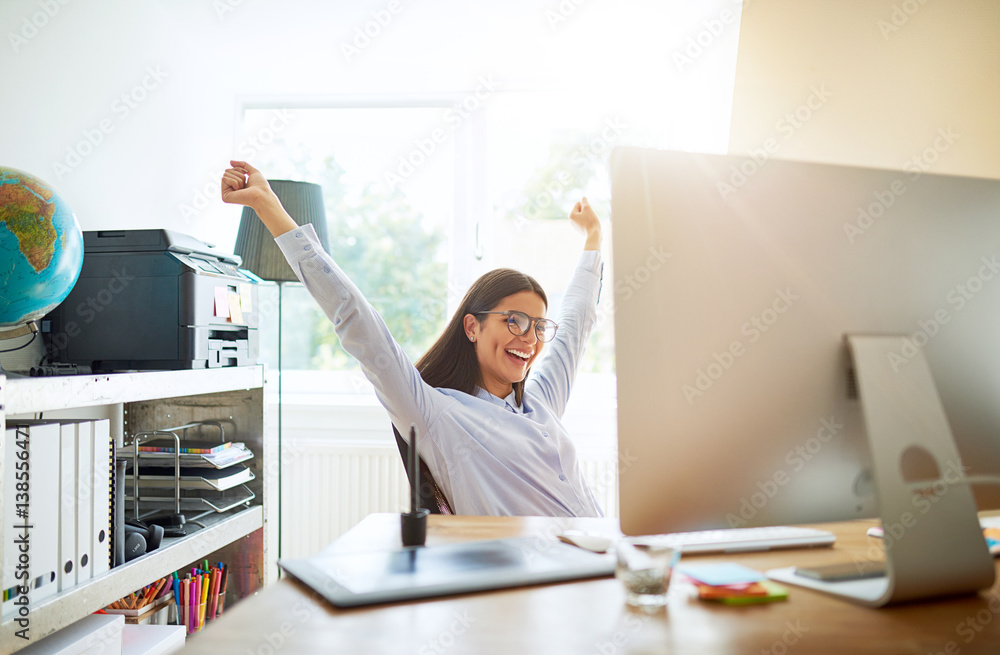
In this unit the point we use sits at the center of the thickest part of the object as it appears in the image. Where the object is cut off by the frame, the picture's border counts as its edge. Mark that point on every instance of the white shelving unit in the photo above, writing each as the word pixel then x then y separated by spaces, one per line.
pixel 245 538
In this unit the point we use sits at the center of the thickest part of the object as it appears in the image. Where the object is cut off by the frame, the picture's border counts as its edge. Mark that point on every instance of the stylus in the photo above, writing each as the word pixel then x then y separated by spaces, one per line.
pixel 414 471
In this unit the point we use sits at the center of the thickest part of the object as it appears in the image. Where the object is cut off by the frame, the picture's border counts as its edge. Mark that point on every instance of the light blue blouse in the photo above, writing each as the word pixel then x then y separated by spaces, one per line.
pixel 489 456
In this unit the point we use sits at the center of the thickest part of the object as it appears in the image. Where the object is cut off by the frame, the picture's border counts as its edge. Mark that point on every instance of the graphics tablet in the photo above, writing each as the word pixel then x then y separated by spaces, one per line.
pixel 368 578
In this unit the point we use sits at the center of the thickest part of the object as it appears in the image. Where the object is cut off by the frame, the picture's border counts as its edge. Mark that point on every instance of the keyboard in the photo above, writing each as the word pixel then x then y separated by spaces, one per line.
pixel 740 540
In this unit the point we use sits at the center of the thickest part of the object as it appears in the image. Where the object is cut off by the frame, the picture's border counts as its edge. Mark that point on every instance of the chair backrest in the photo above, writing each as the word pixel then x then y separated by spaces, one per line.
pixel 430 494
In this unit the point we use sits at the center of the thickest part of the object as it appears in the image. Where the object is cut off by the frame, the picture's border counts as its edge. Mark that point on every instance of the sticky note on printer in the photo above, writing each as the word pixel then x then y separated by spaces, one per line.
pixel 235 311
pixel 222 302
pixel 246 297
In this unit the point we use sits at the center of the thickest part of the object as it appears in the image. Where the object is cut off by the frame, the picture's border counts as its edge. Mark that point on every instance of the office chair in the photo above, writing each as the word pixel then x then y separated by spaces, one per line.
pixel 431 496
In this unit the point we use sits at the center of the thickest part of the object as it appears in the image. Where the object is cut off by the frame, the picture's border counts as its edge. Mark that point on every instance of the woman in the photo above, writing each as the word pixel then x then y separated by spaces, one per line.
pixel 490 434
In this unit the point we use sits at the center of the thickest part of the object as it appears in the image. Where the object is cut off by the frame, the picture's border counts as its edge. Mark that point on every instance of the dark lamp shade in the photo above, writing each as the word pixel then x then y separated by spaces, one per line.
pixel 254 244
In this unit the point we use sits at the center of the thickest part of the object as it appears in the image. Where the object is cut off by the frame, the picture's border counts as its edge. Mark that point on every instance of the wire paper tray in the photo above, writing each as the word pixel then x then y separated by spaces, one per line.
pixel 237 454
pixel 206 501
pixel 146 490
pixel 163 478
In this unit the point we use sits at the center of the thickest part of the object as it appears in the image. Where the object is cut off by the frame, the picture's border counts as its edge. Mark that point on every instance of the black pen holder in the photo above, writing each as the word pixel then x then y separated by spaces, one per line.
pixel 413 526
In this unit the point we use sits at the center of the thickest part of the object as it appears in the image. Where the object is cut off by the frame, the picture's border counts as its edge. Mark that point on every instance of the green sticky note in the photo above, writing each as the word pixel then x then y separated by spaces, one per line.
pixel 774 592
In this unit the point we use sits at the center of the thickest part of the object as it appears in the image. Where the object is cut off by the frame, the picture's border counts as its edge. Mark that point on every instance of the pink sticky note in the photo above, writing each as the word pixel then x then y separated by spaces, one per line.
pixel 221 302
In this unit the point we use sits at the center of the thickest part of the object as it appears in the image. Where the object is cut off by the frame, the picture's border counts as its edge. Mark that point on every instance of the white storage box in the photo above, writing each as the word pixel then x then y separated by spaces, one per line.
pixel 96 634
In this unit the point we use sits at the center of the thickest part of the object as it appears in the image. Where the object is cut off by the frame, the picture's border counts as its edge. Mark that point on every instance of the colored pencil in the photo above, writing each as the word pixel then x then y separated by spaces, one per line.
pixel 183 609
pixel 194 601
pixel 190 600
pixel 225 583
pixel 214 600
pixel 201 600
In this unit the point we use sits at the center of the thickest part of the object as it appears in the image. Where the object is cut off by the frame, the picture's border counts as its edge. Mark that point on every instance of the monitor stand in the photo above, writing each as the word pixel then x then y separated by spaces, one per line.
pixel 934 545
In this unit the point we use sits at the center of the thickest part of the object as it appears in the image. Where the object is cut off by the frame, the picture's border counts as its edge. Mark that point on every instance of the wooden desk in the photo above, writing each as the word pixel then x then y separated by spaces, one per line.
pixel 590 617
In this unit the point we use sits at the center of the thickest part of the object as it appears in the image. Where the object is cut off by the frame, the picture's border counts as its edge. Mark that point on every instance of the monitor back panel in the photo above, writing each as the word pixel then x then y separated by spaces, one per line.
pixel 735 282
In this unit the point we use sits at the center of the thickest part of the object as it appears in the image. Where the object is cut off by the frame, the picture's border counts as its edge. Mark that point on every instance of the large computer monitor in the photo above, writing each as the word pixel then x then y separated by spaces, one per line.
pixel 740 283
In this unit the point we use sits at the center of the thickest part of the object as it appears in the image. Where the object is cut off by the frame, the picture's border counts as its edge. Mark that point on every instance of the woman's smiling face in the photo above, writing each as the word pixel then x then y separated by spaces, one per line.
pixel 503 357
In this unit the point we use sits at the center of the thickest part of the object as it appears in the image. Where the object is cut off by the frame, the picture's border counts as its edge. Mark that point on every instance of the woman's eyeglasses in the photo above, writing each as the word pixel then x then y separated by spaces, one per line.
pixel 519 323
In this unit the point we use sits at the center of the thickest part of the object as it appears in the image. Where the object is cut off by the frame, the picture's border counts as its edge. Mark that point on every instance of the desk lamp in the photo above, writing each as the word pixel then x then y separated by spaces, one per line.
pixel 304 202
pixel 261 256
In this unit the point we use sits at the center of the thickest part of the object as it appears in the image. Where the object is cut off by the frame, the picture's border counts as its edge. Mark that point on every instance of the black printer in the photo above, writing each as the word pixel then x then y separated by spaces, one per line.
pixel 153 300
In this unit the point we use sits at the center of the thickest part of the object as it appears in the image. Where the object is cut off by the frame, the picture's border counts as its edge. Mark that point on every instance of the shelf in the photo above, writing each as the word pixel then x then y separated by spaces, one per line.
pixel 30 395
pixel 59 611
pixel 147 400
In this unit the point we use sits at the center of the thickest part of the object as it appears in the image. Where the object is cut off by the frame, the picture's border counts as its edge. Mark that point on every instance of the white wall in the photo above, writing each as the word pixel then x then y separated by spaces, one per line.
pixel 66 64
pixel 902 83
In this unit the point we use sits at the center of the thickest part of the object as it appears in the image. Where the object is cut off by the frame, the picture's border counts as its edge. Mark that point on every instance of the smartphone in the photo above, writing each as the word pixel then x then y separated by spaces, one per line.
pixel 842 571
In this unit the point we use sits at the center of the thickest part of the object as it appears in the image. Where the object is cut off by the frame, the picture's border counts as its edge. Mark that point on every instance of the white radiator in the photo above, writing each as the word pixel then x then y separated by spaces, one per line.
pixel 329 485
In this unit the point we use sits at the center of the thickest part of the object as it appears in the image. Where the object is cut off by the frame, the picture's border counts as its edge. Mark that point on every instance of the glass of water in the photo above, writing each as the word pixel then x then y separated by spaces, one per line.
pixel 644 565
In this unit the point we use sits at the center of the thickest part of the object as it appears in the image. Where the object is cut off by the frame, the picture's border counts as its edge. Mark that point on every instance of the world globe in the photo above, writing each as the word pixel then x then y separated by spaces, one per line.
pixel 41 248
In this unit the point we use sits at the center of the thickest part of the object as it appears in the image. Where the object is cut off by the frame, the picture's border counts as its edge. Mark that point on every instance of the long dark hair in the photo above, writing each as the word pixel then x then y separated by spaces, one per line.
pixel 451 362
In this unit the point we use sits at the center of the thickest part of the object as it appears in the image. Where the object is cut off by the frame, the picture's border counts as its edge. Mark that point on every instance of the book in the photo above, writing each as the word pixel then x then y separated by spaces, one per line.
pixel 186 451
pixel 236 452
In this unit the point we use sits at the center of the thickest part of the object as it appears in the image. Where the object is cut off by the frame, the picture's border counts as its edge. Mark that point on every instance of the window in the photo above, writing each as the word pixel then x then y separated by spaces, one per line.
pixel 389 214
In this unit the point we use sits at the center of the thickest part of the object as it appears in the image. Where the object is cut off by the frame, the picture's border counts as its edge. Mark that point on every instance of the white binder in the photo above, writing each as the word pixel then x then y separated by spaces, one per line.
pixel 43 447
pixel 10 552
pixel 84 502
pixel 100 511
pixel 67 506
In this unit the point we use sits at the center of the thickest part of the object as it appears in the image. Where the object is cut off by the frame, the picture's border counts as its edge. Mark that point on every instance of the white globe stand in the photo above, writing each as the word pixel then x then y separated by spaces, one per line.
pixel 17 351
pixel 934 545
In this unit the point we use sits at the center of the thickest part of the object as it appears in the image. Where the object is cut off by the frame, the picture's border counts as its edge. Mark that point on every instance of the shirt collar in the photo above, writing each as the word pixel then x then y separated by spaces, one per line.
pixel 508 402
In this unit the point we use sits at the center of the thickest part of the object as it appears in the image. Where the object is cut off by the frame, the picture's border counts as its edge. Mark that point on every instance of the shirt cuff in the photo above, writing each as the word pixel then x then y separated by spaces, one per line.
pixel 299 244
pixel 590 260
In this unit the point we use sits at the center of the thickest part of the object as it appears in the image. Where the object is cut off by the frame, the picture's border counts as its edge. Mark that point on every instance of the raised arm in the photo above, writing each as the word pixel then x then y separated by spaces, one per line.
pixel 360 329
pixel 245 185
pixel 584 217
pixel 552 378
